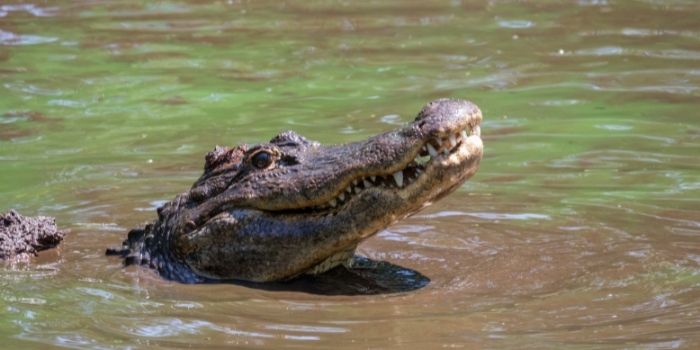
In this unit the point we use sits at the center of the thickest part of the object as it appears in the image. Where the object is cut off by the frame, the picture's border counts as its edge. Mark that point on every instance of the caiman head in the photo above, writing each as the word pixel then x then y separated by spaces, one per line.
pixel 290 206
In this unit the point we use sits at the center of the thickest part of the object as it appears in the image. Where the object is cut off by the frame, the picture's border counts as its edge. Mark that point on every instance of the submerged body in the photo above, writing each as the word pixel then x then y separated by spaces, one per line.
pixel 291 206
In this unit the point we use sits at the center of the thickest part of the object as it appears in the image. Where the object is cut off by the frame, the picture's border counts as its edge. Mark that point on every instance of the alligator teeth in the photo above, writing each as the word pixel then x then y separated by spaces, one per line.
pixel 432 150
pixel 422 160
pixel 414 169
pixel 453 140
pixel 476 131
pixel 398 177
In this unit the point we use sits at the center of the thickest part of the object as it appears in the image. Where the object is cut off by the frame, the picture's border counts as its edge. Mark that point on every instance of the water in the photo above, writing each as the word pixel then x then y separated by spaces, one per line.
pixel 581 229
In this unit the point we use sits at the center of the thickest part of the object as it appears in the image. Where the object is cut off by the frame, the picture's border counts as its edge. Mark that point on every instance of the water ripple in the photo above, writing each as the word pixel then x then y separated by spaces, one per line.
pixel 676 54
pixel 28 8
pixel 516 24
pixel 12 39
pixel 488 216
pixel 306 328
pixel 169 327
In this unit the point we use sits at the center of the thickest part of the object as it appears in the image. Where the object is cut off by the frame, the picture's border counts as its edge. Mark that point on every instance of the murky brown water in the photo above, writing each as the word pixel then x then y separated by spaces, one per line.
pixel 581 230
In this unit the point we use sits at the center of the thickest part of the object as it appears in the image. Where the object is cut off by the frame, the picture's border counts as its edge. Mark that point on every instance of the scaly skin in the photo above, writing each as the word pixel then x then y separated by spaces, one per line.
pixel 302 207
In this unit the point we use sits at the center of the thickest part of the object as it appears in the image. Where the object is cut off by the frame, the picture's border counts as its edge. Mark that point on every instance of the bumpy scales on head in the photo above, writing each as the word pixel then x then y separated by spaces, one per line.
pixel 292 206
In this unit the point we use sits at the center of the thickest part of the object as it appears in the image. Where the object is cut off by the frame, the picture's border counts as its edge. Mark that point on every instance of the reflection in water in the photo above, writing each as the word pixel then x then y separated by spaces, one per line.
pixel 581 230
pixel 369 277
pixel 11 39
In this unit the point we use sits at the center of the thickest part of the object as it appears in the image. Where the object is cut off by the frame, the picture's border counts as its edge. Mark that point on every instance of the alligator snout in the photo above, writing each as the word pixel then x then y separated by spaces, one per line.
pixel 449 116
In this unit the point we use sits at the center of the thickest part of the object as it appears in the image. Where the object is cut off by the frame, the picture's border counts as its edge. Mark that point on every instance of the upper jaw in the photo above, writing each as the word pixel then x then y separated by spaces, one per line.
pixel 394 159
pixel 444 139
pixel 451 151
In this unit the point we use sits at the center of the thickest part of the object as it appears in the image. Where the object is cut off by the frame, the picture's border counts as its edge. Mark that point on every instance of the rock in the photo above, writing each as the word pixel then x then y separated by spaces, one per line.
pixel 23 236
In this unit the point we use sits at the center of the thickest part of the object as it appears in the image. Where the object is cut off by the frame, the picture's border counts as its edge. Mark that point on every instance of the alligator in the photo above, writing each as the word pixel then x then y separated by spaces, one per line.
pixel 291 206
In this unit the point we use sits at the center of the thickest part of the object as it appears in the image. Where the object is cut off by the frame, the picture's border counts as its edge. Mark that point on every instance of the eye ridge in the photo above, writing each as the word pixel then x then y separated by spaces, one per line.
pixel 262 159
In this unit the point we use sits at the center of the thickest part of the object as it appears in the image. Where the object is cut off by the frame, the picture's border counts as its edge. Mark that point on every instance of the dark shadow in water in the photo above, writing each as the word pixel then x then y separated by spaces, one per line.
pixel 370 277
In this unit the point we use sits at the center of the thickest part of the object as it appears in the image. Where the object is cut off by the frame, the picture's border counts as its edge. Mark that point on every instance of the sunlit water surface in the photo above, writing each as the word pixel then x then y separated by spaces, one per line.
pixel 581 229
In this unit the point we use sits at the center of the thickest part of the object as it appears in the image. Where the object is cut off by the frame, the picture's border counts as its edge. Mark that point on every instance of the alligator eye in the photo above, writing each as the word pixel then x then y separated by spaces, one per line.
pixel 262 160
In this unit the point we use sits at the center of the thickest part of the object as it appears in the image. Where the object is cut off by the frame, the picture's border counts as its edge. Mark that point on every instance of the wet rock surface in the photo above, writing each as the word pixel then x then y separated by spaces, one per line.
pixel 24 236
